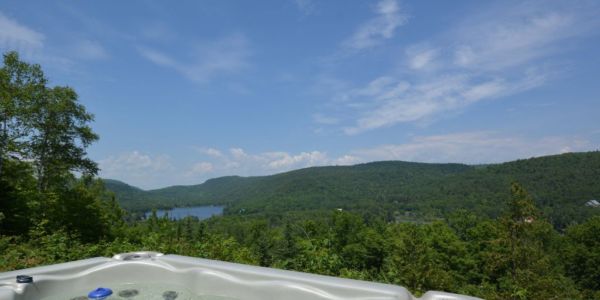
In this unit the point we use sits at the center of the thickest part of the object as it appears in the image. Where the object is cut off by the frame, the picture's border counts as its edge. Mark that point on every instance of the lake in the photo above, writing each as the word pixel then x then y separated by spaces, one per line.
pixel 200 212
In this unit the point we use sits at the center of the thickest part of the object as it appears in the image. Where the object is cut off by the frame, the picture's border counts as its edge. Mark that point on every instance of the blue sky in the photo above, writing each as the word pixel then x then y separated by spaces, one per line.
pixel 189 90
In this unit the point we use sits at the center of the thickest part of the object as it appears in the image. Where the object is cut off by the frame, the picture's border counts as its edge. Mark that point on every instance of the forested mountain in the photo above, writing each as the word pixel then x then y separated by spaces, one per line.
pixel 560 184
pixel 335 184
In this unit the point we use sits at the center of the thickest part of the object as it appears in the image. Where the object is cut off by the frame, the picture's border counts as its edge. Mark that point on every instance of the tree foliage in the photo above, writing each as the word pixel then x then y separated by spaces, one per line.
pixel 61 134
pixel 559 185
pixel 20 84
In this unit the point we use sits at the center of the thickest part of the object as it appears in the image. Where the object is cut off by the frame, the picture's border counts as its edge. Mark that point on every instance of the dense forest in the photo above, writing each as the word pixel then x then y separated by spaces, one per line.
pixel 559 184
pixel 457 228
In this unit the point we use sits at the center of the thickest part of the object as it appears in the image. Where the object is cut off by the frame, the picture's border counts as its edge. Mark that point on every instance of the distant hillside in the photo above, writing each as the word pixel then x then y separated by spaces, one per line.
pixel 126 194
pixel 329 182
pixel 561 184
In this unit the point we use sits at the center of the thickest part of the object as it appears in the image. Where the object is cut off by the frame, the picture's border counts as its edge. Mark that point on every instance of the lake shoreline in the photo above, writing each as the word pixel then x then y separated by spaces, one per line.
pixel 178 213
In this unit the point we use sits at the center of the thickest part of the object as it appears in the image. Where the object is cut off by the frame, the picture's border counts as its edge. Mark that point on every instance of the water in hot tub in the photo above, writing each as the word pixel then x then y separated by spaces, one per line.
pixel 139 291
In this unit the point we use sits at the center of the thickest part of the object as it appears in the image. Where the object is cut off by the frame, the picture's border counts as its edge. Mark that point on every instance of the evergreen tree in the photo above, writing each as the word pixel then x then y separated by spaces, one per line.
pixel 527 254
pixel 583 256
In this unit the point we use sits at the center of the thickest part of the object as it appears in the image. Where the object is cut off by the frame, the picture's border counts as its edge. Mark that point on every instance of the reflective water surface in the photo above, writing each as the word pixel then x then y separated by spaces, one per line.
pixel 200 212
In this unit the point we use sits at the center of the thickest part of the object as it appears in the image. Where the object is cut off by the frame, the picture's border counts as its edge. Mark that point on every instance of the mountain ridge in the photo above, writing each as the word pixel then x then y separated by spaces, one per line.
pixel 558 183
pixel 121 188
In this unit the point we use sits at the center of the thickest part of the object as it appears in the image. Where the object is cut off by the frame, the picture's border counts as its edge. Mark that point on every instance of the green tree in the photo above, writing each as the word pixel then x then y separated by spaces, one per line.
pixel 61 135
pixel 262 242
pixel 17 196
pixel 425 257
pixel 518 222
pixel 583 255
pixel 20 84
pixel 527 260
pixel 83 210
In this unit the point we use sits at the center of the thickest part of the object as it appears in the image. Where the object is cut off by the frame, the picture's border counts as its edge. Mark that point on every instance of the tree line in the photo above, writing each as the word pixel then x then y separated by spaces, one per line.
pixel 560 185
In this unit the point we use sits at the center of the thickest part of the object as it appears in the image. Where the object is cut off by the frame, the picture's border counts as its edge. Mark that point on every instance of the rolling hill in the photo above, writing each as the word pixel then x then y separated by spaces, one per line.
pixel 334 183
pixel 560 184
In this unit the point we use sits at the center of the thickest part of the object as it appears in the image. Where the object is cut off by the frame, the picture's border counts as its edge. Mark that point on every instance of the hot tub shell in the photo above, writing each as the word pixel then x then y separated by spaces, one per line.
pixel 200 276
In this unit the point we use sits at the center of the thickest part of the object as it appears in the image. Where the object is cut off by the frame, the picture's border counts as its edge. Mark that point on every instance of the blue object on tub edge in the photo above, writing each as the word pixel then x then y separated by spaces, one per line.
pixel 100 293
pixel 24 279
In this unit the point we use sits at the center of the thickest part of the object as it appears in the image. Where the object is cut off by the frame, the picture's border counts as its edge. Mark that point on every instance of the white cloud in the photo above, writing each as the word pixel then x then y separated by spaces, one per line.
pixel 501 39
pixel 135 160
pixel 201 168
pixel 283 160
pixel 488 56
pixel 15 36
pixel 236 161
pixel 227 55
pixel 385 102
pixel 137 168
pixel 276 161
pixel 211 152
pixel 347 160
pixel 389 17
pixel 238 153
pixel 473 148
pixel 513 40
pixel 419 59
pixel 152 171
pixel 33 46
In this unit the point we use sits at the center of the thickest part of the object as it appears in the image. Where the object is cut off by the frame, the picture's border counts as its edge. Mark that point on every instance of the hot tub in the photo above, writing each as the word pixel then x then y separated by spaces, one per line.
pixel 151 275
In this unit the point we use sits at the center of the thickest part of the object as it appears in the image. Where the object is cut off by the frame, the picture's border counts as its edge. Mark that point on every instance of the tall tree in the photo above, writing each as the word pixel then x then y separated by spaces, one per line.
pixel 20 84
pixel 583 255
pixel 528 259
pixel 61 134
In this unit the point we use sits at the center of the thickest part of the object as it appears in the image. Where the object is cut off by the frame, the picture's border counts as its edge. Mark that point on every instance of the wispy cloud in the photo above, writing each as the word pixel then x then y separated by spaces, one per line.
pixel 227 55
pixel 31 44
pixel 396 101
pixel 16 36
pixel 527 32
pixel 210 152
pixel 421 58
pixel 200 168
pixel 41 47
pixel 473 148
pixel 237 161
pixel 382 27
pixel 488 56
pixel 151 171
pixel 494 46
